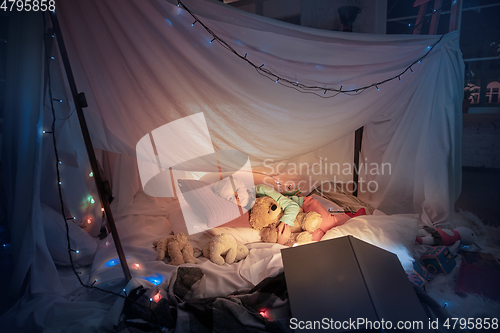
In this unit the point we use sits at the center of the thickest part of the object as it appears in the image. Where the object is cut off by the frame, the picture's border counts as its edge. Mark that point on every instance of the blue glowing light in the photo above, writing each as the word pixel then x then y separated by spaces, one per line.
pixel 169 22
pixel 155 279
pixel 113 262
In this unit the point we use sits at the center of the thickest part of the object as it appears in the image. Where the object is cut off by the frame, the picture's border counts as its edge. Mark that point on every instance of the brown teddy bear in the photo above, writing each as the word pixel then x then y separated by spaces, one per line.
pixel 177 247
pixel 224 248
pixel 266 213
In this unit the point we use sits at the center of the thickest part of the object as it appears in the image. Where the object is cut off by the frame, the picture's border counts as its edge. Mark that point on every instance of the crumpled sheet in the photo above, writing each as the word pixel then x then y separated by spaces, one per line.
pixel 177 309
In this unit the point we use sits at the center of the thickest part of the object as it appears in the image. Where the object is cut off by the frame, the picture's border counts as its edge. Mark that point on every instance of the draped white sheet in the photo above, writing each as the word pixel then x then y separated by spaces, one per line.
pixel 142 64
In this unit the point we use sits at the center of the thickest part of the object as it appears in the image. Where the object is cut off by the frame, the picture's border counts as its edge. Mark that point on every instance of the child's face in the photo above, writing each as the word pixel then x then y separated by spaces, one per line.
pixel 226 191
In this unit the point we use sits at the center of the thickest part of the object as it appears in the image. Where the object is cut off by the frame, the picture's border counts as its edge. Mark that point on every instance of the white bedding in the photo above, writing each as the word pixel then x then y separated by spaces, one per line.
pixel 145 221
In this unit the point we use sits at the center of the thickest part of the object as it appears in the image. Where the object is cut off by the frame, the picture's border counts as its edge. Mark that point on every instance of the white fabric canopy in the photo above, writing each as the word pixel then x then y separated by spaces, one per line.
pixel 143 64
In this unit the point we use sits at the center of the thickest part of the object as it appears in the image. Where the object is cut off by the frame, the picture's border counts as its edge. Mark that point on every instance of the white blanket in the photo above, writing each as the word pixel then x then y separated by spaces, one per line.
pixel 395 233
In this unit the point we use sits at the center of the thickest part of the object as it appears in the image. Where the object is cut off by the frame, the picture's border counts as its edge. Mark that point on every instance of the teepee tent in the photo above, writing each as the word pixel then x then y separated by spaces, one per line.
pixel 284 95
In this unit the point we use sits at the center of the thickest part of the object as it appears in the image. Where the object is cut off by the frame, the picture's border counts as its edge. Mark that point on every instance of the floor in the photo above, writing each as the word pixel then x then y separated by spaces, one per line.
pixel 480 195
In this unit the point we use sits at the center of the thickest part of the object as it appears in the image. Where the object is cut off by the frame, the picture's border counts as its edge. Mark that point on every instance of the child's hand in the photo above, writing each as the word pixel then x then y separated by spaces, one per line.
pixel 283 233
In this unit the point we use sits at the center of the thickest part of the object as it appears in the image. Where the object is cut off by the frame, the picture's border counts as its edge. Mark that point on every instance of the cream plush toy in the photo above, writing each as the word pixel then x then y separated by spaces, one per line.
pixel 265 216
pixel 177 247
pixel 223 248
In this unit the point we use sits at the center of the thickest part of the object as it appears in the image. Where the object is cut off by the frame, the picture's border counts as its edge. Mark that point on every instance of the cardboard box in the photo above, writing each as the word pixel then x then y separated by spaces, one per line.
pixel 346 280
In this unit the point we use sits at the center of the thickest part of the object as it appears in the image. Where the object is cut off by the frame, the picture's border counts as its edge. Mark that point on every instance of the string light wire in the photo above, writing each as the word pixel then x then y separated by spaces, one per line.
pixel 294 84
pixel 156 322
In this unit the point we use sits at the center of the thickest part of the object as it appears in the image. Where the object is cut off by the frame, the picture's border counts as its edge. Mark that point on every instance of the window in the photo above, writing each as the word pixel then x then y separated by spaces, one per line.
pixel 492 90
pixel 479 40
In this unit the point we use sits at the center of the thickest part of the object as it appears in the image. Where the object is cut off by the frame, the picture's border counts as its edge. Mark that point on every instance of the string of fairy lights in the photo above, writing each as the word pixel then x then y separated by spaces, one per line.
pixel 320 91
pixel 155 323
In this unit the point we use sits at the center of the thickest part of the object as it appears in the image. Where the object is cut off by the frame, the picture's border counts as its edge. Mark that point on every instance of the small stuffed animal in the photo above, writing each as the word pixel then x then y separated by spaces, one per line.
pixel 224 248
pixel 177 247
pixel 450 238
pixel 266 213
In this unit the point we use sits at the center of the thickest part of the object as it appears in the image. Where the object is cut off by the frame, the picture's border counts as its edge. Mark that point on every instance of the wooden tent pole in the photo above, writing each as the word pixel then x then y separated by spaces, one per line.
pixel 80 103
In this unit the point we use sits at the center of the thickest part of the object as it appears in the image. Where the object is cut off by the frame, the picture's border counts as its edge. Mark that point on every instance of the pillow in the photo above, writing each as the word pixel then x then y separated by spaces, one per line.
pixel 212 208
pixel 55 237
pixel 394 233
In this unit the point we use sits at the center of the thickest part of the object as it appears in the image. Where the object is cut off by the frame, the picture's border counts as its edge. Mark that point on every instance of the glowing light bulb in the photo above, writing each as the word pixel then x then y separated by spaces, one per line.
pixel 157 297
pixel 102 209
pixel 60 183
pixel 89 221
pixel 92 201
pixel 137 266
pixel 91 174
pixel 60 162
pixel 77 251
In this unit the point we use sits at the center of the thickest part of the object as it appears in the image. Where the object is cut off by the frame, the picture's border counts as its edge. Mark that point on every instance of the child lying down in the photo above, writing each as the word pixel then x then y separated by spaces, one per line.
pixel 291 206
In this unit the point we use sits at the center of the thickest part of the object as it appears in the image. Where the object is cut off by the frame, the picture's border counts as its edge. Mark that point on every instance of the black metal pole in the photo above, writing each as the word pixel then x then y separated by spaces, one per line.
pixel 358 137
pixel 90 148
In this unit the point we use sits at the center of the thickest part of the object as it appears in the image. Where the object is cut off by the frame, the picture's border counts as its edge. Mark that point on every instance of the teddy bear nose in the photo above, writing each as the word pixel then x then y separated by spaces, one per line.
pixel 273 207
